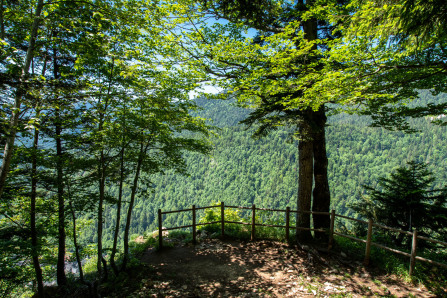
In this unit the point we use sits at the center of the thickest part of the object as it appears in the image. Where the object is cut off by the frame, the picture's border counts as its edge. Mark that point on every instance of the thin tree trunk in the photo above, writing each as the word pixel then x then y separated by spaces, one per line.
pixel 61 278
pixel 102 173
pixel 75 243
pixel 34 237
pixel 321 193
pixel 2 21
pixel 14 120
pixel 34 180
pixel 76 246
pixel 118 212
pixel 106 272
pixel 132 200
pixel 305 180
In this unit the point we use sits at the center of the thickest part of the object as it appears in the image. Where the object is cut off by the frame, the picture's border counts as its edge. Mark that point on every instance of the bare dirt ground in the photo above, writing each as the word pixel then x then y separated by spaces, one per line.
pixel 227 268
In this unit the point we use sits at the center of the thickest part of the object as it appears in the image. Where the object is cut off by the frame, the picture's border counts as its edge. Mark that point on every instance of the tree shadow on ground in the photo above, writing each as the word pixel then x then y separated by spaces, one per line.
pixel 228 268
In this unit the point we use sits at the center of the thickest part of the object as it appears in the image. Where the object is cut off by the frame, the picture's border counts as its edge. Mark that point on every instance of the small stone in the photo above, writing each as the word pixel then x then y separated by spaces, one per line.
pixel 184 287
pixel 333 271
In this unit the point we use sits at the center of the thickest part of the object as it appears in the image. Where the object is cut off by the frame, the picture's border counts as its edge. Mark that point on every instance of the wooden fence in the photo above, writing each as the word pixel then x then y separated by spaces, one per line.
pixel 331 232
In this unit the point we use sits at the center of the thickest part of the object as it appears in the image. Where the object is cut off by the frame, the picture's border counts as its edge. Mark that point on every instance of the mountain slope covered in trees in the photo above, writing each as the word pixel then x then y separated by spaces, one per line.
pixel 244 171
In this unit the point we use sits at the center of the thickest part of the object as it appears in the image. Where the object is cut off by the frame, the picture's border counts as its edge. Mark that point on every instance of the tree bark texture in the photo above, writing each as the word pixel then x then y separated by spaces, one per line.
pixel 321 193
pixel 305 180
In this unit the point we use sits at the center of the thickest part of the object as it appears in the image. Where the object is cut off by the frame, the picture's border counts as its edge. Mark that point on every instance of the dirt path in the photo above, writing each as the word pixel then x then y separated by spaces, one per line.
pixel 218 268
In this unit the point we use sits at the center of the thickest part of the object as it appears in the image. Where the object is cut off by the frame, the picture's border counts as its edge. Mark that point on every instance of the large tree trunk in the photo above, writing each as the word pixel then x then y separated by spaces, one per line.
pixel 306 150
pixel 9 147
pixel 305 180
pixel 321 193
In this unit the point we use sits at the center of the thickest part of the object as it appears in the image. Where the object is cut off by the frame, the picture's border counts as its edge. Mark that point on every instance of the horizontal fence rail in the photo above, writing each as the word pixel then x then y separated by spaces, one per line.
pixel 368 242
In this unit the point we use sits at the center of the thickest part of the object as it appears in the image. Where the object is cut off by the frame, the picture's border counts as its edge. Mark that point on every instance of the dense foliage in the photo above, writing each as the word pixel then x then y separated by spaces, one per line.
pixel 90 99
pixel 99 128
pixel 244 171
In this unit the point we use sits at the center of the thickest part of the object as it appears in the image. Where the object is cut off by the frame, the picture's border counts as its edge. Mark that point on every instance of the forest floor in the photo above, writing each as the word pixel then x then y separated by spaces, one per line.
pixel 229 268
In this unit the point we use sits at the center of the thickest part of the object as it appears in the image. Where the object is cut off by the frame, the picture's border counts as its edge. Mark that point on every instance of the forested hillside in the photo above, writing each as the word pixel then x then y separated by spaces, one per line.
pixel 242 170
pixel 99 128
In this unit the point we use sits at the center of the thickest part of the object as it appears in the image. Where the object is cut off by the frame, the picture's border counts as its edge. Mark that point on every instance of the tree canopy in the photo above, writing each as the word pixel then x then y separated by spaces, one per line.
pixel 90 89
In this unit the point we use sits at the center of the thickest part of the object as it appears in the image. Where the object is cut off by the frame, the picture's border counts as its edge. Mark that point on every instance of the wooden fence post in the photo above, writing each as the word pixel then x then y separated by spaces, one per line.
pixel 287 223
pixel 160 230
pixel 331 230
pixel 194 234
pixel 368 242
pixel 253 222
pixel 222 217
pixel 413 252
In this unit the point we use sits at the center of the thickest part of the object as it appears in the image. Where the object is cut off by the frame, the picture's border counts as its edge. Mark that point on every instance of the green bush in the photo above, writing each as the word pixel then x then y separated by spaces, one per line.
pixel 214 214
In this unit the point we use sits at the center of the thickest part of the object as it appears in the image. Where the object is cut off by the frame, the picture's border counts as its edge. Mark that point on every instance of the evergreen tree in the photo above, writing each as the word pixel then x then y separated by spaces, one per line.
pixel 406 200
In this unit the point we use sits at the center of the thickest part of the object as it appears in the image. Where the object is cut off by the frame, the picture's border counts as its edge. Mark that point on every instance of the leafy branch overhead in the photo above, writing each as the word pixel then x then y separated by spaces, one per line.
pixel 371 58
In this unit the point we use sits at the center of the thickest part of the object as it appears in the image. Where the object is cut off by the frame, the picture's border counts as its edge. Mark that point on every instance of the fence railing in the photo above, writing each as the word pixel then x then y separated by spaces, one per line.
pixel 331 231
